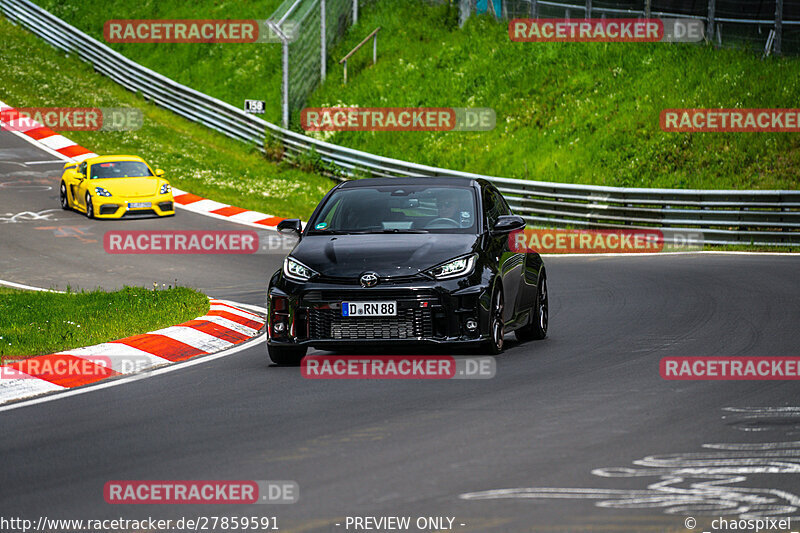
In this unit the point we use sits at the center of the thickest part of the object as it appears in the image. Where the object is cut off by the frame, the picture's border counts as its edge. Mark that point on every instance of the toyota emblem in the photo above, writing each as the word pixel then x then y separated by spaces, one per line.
pixel 369 279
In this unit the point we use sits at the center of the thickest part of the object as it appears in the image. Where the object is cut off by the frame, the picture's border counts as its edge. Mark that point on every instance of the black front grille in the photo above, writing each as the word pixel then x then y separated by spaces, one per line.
pixel 108 209
pixel 408 324
pixel 138 213
pixel 165 206
pixel 344 295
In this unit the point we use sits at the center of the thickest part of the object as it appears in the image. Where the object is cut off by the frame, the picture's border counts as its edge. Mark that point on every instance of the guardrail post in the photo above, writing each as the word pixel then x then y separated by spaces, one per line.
pixel 534 8
pixel 345 72
pixel 464 12
pixel 323 45
pixel 647 5
pixel 588 9
pixel 285 88
pixel 712 4
pixel 375 49
pixel 355 12
pixel 778 25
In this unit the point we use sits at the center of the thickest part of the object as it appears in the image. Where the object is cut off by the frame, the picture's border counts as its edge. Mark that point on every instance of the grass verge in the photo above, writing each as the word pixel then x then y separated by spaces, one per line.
pixel 566 112
pixel 35 323
pixel 194 157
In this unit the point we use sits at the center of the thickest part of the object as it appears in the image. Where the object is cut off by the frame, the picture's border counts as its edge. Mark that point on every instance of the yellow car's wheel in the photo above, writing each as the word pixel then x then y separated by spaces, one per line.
pixel 63 197
pixel 89 206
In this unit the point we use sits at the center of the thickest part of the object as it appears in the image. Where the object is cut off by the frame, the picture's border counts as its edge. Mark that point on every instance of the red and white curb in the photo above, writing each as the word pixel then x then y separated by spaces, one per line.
pixel 65 149
pixel 204 206
pixel 54 143
pixel 224 326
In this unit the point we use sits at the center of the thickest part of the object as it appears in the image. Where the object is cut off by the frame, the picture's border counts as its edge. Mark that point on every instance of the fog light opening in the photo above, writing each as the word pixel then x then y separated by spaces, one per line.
pixel 471 325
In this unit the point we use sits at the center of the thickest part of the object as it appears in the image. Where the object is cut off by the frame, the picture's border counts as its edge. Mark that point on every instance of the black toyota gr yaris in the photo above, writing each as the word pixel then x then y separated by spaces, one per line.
pixel 405 260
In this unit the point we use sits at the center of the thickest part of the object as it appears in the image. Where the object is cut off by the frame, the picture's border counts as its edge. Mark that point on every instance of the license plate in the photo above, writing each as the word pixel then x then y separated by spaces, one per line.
pixel 138 205
pixel 369 308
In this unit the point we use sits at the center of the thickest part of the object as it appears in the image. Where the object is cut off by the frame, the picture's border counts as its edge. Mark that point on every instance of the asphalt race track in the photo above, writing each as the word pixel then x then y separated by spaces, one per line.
pixel 578 419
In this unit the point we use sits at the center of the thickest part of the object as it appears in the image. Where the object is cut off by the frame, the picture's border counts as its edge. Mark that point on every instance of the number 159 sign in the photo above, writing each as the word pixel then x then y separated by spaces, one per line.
pixel 254 106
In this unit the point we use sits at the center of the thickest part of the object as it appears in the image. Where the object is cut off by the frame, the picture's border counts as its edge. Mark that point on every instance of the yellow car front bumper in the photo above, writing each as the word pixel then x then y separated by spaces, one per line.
pixel 161 205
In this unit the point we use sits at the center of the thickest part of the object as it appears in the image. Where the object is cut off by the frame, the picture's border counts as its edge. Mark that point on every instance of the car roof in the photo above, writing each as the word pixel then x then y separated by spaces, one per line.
pixel 110 158
pixel 433 180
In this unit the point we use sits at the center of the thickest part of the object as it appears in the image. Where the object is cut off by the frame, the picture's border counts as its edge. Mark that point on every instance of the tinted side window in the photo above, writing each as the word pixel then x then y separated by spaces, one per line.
pixel 492 206
pixel 82 168
pixel 501 202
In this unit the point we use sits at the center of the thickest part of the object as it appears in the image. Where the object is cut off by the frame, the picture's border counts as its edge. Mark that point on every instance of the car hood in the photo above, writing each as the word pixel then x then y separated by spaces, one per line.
pixel 388 255
pixel 128 187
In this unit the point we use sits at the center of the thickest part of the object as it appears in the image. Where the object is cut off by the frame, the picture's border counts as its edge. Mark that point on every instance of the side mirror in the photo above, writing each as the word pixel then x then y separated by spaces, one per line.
pixel 507 223
pixel 290 226
pixel 159 172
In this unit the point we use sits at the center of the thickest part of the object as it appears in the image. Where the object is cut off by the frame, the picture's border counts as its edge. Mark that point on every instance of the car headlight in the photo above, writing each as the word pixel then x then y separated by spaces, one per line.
pixel 460 266
pixel 165 188
pixel 101 191
pixel 294 269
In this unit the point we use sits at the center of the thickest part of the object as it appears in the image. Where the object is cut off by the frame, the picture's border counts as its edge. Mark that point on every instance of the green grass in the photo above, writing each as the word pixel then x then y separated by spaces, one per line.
pixel 230 72
pixel 567 112
pixel 194 157
pixel 36 323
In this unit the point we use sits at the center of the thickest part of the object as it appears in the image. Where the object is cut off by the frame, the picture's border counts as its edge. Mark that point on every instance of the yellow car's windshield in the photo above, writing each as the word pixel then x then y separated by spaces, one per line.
pixel 120 169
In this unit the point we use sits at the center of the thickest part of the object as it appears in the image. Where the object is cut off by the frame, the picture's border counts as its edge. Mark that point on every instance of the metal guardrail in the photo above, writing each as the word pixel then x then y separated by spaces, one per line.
pixel 723 217
pixel 374 37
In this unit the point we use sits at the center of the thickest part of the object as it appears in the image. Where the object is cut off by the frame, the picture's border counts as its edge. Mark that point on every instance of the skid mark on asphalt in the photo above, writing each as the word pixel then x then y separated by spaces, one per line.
pixel 27 216
pixel 785 419
pixel 691 482
pixel 82 233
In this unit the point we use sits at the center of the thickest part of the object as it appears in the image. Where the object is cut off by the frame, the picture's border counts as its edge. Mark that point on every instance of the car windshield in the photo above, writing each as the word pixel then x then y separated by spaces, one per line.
pixel 120 169
pixel 398 209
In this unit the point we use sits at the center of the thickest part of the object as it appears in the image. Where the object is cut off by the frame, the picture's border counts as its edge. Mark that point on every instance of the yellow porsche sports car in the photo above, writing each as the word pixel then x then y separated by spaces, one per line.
pixel 115 186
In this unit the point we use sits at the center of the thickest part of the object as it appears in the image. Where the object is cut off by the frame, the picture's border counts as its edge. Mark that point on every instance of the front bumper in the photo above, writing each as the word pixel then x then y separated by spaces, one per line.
pixel 161 205
pixel 428 312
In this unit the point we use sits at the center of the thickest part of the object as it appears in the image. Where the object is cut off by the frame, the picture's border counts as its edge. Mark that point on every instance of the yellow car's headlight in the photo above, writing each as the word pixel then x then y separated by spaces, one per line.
pixel 165 188
pixel 101 192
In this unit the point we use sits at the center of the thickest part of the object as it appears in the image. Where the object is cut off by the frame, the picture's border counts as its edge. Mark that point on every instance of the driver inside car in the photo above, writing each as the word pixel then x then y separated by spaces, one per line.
pixel 452 209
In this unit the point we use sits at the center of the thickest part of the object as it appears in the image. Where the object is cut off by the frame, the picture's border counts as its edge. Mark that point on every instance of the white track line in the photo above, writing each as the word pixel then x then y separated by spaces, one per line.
pixel 27 287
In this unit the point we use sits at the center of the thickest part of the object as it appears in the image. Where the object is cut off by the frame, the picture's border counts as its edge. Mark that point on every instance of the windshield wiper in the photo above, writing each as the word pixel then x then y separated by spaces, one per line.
pixel 398 231
pixel 337 232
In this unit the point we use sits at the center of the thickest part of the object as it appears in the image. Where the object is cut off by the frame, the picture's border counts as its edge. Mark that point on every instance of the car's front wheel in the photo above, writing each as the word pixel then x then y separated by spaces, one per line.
pixel 286 355
pixel 62 196
pixel 536 329
pixel 497 328
pixel 89 206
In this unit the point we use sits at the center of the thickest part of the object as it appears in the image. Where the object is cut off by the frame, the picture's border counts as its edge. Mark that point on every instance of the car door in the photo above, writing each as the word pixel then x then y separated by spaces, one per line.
pixel 509 263
pixel 78 185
